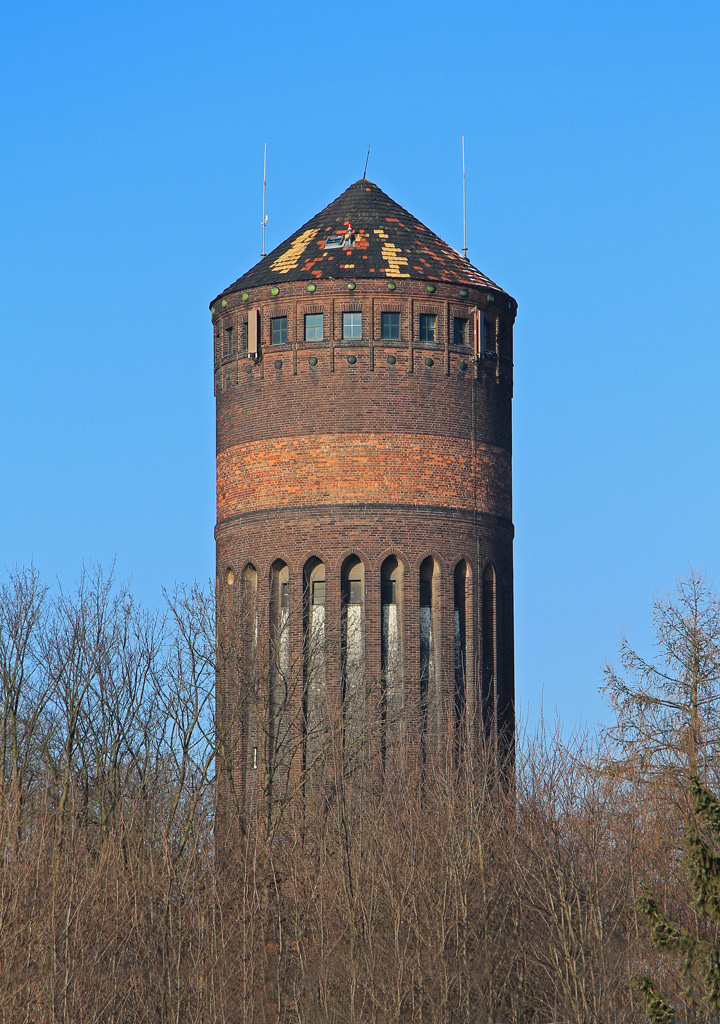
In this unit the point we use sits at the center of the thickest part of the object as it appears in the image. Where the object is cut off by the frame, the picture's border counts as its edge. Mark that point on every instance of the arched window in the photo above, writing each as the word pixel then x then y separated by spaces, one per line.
pixel 353 640
pixel 391 638
pixel 489 644
pixel 313 658
pixel 249 627
pixel 279 693
pixel 460 578
pixel 429 668
pixel 249 609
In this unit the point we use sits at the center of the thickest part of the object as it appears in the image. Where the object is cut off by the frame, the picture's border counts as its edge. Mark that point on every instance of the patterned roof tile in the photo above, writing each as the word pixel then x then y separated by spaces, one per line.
pixel 393 242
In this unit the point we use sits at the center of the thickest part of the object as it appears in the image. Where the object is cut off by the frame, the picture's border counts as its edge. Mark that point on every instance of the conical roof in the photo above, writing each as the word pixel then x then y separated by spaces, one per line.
pixel 363 234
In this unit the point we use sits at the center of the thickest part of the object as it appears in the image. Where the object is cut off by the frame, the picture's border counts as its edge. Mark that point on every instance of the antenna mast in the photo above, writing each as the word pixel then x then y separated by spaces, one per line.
pixel 264 219
pixel 464 217
pixel 366 163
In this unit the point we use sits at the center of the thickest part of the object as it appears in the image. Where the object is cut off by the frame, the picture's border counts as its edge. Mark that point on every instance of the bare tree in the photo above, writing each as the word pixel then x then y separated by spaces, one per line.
pixel 667 709
pixel 433 896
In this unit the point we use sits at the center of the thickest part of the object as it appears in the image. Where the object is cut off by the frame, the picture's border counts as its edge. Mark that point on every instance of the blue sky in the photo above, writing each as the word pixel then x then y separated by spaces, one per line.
pixel 130 195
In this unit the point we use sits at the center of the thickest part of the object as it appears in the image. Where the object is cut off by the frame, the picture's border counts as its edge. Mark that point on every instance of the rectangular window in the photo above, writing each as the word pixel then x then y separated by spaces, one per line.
pixel 352 326
pixel 318 592
pixel 279 330
pixel 284 595
pixel 254 333
pixel 427 326
pixel 480 333
pixel 388 592
pixel 487 337
pixel 390 326
pixel 313 327
pixel 460 330
pixel 355 591
pixel 229 342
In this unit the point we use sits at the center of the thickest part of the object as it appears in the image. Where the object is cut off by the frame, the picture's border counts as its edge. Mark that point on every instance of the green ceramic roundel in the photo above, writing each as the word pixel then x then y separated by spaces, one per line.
pixel 429 361
pixel 274 290
pixel 212 309
pixel 351 286
pixel 313 360
pixel 248 369
pixel 352 360
pixel 431 288
pixel 278 364
pixel 391 286
pixel 391 360
pixel 463 293
pixel 312 287
pixel 462 365
pixel 224 303
pixel 245 296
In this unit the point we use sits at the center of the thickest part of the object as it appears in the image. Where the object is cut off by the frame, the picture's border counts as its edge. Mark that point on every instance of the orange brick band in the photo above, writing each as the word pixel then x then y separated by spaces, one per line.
pixel 415 469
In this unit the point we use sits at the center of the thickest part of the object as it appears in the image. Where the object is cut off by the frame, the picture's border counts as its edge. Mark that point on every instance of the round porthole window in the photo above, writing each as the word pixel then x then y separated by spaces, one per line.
pixel 313 360
pixel 248 369
pixel 462 365
pixel 278 364
pixel 391 360
pixel 352 360
pixel 429 361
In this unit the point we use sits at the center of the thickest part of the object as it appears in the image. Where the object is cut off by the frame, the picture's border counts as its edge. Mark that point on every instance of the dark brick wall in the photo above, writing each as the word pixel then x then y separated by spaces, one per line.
pixel 327 449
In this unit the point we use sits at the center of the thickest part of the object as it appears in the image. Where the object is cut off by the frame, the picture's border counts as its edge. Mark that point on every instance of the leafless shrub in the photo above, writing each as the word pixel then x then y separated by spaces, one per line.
pixel 443 891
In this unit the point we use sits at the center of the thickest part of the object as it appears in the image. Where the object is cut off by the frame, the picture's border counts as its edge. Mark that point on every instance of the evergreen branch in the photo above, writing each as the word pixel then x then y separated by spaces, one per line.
pixel 707 805
pixel 658 1009
pixel 704 869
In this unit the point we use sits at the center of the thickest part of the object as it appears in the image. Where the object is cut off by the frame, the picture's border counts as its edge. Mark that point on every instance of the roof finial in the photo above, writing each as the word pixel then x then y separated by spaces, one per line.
pixel 463 163
pixel 264 220
pixel 366 163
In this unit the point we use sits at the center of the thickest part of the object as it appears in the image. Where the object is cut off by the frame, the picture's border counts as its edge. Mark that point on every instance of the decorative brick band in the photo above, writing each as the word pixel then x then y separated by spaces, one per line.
pixel 439 515
pixel 328 469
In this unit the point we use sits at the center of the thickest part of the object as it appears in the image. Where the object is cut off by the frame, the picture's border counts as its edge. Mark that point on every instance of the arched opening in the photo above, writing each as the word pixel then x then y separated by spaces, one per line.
pixel 230 577
pixel 353 639
pixel 429 668
pixel 489 646
pixel 313 659
pixel 391 642
pixel 279 689
pixel 460 577
pixel 249 607
pixel 249 639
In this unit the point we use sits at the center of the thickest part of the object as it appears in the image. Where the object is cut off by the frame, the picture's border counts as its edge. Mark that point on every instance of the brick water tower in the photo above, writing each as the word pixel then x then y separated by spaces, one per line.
pixel 363 377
